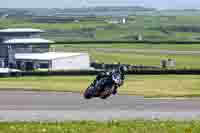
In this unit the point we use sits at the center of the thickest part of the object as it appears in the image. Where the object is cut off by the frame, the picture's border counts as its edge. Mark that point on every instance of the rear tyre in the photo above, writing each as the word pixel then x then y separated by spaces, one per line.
pixel 105 97
pixel 106 93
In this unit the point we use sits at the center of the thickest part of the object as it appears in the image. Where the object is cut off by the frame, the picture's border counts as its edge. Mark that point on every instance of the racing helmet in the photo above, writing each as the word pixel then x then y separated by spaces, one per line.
pixel 122 69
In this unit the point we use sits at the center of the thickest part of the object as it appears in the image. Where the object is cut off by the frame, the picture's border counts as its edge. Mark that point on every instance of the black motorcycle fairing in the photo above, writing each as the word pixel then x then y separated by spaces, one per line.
pixel 105 85
pixel 105 82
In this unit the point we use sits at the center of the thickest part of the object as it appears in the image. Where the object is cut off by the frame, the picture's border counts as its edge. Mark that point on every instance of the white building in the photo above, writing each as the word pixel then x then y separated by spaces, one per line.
pixel 124 21
pixel 54 61
pixel 25 49
pixel 117 20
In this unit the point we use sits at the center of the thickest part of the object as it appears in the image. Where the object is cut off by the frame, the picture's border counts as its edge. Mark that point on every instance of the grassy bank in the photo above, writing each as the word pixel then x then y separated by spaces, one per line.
pixel 147 85
pixel 106 127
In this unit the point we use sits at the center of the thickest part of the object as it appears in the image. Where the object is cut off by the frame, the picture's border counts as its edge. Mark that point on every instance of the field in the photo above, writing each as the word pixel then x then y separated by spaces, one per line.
pixel 132 54
pixel 146 46
pixel 144 85
pixel 182 61
pixel 176 28
pixel 137 126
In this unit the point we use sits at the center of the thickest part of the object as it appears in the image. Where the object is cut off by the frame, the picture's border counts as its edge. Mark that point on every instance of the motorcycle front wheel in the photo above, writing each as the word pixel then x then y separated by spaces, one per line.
pixel 89 93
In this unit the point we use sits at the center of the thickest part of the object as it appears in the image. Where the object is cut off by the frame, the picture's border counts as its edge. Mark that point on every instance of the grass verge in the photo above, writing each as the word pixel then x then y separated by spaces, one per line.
pixel 137 126
pixel 145 85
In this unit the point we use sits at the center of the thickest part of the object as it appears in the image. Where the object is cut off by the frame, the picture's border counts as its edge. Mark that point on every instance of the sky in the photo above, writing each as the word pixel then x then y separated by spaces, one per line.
pixel 160 4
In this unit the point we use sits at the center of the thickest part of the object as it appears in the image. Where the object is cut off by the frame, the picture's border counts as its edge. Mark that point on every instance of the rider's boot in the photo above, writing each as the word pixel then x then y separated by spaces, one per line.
pixel 115 91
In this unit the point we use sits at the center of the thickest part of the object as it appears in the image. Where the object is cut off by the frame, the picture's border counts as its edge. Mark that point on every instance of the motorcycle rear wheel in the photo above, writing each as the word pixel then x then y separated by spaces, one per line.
pixel 107 93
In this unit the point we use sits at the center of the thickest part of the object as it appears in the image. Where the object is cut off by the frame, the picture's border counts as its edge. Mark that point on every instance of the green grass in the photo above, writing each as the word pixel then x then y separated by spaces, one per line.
pixel 148 26
pixel 18 23
pixel 135 58
pixel 145 85
pixel 147 59
pixel 137 126
pixel 177 47
pixel 57 83
pixel 67 26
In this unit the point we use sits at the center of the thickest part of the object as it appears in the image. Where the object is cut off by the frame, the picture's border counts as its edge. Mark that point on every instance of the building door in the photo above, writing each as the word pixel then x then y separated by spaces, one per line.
pixel 29 66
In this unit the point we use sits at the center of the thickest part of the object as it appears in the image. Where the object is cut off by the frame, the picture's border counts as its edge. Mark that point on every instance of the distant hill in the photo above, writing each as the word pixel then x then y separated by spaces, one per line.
pixel 96 11
pixel 75 11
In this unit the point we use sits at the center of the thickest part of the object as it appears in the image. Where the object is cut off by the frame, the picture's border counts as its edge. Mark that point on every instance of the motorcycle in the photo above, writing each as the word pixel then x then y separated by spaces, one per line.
pixel 105 87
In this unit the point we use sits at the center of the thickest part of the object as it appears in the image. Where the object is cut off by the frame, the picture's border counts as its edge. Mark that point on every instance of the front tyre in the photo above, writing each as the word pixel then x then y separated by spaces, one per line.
pixel 88 94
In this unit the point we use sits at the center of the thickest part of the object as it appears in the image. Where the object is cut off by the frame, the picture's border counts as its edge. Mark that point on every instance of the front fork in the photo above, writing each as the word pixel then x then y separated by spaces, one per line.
pixel 114 91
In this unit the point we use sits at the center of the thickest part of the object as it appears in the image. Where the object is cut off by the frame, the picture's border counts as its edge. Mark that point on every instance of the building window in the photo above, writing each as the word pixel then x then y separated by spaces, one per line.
pixel 44 65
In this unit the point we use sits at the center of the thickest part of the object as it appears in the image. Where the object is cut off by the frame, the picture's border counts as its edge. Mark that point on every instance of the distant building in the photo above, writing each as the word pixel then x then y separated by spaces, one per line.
pixel 53 61
pixel 124 21
pixel 76 21
pixel 117 20
pixel 139 37
pixel 24 49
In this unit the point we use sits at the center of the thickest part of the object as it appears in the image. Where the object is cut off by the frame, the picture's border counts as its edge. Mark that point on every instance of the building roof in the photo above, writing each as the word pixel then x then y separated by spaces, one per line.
pixel 26 41
pixel 45 56
pixel 20 30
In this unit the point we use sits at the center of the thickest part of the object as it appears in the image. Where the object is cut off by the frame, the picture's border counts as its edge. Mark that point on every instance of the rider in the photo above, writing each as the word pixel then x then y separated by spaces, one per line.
pixel 101 75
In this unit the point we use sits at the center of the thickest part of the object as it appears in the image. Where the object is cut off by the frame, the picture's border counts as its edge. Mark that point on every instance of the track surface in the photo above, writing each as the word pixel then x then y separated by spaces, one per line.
pixel 51 106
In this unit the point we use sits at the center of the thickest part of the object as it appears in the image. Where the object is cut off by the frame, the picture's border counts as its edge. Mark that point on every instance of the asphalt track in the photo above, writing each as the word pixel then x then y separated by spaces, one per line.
pixel 57 106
